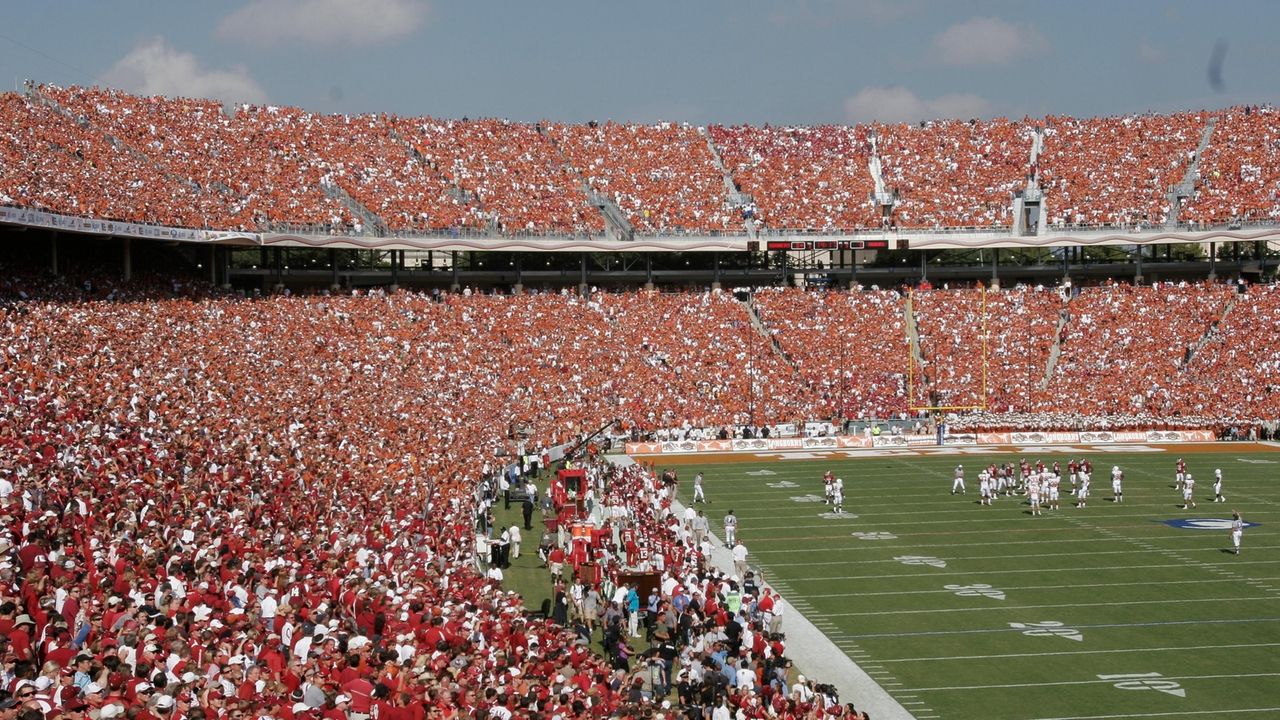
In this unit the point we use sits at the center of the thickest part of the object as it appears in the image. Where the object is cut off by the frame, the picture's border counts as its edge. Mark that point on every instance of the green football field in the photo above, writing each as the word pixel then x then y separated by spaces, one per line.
pixel 963 611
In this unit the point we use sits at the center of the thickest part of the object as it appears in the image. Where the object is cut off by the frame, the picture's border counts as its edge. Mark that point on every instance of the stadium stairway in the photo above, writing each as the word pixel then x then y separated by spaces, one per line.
pixel 34 95
pixel 1208 335
pixel 372 221
pixel 749 304
pixel 913 337
pixel 1056 350
pixel 615 220
pixel 1186 189
pixel 734 197
pixel 456 191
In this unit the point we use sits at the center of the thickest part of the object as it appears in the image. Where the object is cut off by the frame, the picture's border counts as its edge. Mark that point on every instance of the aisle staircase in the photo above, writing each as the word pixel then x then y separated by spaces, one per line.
pixel 1209 333
pixel 913 340
pixel 758 324
pixel 733 197
pixel 616 222
pixel 372 222
pixel 34 95
pixel 1056 351
pixel 1186 189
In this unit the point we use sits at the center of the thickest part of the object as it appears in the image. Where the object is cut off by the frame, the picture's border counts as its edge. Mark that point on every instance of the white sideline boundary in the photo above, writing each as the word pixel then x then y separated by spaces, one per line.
pixel 809 648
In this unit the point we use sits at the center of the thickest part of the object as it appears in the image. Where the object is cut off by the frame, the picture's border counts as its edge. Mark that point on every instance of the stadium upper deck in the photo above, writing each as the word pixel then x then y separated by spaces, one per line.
pixel 185 163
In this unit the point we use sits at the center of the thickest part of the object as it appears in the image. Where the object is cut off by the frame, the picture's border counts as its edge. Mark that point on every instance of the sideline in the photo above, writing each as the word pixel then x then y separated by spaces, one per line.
pixel 812 652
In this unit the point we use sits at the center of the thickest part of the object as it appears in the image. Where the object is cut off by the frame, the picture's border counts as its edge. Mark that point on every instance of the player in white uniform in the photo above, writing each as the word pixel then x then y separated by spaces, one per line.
pixel 1117 477
pixel 699 495
pixel 837 495
pixel 1237 530
pixel 1217 486
pixel 1033 492
pixel 984 488
pixel 958 482
pixel 1188 491
pixel 1082 495
pixel 1054 483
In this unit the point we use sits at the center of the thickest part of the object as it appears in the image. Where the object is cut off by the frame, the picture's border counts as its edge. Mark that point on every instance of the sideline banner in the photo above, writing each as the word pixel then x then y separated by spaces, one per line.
pixel 845 442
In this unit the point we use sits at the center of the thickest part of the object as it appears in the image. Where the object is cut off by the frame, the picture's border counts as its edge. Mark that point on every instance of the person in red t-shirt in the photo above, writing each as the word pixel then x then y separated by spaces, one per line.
pixel 361 692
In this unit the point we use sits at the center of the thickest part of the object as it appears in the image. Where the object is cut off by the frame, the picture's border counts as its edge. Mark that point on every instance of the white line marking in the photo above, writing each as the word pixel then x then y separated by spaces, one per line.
pixel 1078 627
pixel 1162 714
pixel 1078 652
pixel 828 578
pixel 1089 682
pixel 1024 587
pixel 988 608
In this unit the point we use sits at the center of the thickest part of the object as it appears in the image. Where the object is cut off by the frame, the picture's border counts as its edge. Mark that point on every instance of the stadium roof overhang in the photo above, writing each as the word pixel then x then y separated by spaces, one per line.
pixel 473 241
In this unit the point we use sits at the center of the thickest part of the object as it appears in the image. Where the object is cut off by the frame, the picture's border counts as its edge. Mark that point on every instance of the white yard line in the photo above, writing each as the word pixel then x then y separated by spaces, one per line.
pixel 1119 651
pixel 1092 681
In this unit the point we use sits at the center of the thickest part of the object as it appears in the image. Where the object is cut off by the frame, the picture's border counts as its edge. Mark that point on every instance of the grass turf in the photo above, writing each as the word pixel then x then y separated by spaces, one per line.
pixel 1193 629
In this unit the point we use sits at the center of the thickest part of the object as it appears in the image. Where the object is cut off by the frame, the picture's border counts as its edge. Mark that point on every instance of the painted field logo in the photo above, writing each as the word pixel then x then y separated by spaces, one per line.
pixel 761 473
pixel 806 498
pixel 921 560
pixel 874 535
pixel 978 590
pixel 837 516
pixel 1221 524
pixel 1048 628
pixel 781 484
pixel 1146 681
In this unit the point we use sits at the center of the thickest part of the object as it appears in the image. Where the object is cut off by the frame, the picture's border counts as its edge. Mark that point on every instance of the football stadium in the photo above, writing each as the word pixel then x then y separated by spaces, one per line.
pixel 376 415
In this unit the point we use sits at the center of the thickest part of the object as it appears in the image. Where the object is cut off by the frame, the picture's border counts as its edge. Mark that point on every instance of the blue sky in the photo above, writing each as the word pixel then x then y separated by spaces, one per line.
pixel 709 61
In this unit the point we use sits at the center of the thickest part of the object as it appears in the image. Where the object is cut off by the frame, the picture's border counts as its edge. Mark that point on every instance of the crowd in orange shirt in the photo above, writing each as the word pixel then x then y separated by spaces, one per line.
pixel 1116 171
pixel 802 178
pixel 661 176
pixel 1020 326
pixel 1240 172
pixel 953 173
pixel 194 163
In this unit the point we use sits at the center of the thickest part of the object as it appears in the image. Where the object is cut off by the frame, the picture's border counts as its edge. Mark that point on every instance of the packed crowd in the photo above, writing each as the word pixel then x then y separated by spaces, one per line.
pixel 661 176
pixel 515 173
pixel 802 178
pixel 1116 171
pixel 1240 172
pixel 1005 372
pixel 50 162
pixel 193 163
pixel 854 374
pixel 225 508
pixel 216 507
pixel 1114 360
pixel 702 360
pixel 1245 342
pixel 953 173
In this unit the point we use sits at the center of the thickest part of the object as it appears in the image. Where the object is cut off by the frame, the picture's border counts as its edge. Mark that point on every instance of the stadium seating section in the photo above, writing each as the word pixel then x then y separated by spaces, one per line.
pixel 195 163
pixel 240 499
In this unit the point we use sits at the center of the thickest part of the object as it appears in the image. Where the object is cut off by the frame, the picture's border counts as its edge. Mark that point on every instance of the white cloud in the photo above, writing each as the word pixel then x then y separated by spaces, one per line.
pixel 348 22
pixel 898 104
pixel 1150 54
pixel 153 67
pixel 987 41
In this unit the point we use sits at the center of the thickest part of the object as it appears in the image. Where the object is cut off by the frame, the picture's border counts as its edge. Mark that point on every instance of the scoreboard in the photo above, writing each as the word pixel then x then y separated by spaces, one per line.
pixel 827 245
